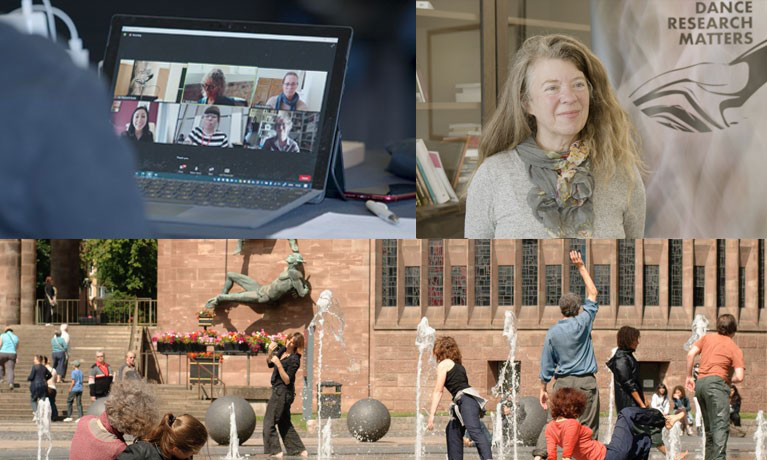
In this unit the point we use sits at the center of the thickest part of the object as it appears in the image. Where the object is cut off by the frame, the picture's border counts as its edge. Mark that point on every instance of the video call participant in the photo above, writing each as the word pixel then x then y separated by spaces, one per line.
pixel 280 142
pixel 213 89
pixel 207 134
pixel 138 130
pixel 288 99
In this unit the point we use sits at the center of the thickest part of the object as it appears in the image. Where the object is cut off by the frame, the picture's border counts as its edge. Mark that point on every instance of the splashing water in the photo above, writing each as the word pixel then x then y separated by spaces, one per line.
pixel 330 318
pixel 699 328
pixel 234 440
pixel 425 342
pixel 327 446
pixel 612 401
pixel 499 390
pixel 759 436
pixel 43 421
pixel 673 441
pixel 702 455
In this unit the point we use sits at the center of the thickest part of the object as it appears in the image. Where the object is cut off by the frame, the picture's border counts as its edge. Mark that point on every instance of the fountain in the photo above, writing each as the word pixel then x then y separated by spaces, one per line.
pixel 499 390
pixel 759 436
pixel 234 440
pixel 43 421
pixel 673 441
pixel 330 318
pixel 612 400
pixel 425 342
pixel 699 328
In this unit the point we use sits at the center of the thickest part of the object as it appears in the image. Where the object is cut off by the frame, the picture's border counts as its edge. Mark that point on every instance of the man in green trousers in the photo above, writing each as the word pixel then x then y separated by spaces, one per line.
pixel 721 364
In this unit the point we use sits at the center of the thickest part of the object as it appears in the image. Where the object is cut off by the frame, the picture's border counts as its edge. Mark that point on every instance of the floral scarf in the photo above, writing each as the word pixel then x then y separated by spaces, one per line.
pixel 560 197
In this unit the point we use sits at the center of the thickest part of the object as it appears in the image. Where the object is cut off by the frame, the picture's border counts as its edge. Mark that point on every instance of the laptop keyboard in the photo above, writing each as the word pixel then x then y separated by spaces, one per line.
pixel 216 194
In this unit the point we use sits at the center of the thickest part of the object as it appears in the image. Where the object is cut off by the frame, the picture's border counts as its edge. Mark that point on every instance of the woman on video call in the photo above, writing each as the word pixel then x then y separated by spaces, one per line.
pixel 288 99
pixel 559 157
pixel 138 129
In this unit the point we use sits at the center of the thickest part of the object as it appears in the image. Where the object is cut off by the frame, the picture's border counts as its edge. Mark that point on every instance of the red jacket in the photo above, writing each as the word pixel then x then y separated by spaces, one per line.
pixel 575 440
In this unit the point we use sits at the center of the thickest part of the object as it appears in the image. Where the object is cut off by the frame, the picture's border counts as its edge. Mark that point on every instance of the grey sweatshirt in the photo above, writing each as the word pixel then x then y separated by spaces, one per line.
pixel 496 204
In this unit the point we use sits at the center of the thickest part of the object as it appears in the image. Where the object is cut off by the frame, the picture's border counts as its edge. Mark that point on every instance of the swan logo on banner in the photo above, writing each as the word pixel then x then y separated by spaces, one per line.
pixel 694 98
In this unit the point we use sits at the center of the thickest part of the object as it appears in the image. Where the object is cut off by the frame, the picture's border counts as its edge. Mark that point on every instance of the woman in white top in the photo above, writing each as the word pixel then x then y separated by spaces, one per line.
pixel 559 158
pixel 660 399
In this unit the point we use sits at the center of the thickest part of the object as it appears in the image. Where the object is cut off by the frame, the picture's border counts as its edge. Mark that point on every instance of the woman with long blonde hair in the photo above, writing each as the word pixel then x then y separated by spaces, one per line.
pixel 559 157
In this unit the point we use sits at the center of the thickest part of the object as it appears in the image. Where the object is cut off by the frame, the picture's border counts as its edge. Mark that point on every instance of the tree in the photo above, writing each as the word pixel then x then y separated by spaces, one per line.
pixel 123 266
pixel 42 264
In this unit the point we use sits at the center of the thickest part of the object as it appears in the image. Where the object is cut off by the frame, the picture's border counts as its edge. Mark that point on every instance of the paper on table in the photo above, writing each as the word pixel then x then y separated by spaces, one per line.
pixel 336 225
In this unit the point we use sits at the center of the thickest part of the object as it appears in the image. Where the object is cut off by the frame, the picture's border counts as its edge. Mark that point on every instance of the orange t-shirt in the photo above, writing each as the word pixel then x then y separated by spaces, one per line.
pixel 718 356
pixel 575 440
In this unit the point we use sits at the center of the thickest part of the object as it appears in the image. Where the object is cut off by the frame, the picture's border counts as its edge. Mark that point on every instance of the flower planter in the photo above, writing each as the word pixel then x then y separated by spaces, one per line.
pixel 163 347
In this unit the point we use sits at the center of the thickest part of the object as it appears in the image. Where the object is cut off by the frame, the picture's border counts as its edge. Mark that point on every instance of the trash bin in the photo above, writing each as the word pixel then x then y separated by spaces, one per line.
pixel 330 398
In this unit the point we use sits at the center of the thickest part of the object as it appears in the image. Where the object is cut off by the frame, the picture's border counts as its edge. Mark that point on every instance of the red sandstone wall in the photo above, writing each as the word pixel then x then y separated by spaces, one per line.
pixel 192 271
pixel 381 361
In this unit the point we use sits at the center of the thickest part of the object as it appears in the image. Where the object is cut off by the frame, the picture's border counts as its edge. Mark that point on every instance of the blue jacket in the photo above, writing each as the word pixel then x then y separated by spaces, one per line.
pixel 10 342
pixel 59 344
pixel 568 349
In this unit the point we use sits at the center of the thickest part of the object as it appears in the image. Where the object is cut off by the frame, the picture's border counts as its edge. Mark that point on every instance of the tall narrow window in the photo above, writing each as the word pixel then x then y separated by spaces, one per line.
pixel 553 284
pixel 481 272
pixel 436 270
pixel 576 282
pixel 699 286
pixel 675 273
pixel 741 287
pixel 505 285
pixel 625 272
pixel 720 272
pixel 389 273
pixel 651 282
pixel 529 272
pixel 458 284
pixel 760 269
pixel 412 286
pixel 602 281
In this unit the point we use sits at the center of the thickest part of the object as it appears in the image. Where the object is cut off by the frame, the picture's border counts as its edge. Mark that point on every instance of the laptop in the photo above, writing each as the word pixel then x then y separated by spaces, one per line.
pixel 234 123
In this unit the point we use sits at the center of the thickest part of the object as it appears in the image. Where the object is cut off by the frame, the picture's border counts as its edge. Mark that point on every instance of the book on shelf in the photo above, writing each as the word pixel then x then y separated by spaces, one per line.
pixel 468 92
pixel 423 5
pixel 422 93
pixel 437 163
pixel 431 170
pixel 464 129
pixel 467 164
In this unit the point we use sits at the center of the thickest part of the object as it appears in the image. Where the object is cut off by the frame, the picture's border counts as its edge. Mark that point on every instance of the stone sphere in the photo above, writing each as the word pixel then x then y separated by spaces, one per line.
pixel 368 420
pixel 218 416
pixel 97 407
pixel 531 419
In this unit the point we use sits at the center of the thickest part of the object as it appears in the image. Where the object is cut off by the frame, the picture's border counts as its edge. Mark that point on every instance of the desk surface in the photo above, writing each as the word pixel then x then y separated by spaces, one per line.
pixel 347 213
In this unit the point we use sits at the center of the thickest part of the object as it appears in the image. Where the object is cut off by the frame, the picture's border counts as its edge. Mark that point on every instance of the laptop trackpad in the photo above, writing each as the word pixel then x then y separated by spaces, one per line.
pixel 159 210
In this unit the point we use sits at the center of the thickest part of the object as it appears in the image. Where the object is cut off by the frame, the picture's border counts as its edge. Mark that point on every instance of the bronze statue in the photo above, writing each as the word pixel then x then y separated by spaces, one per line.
pixel 290 279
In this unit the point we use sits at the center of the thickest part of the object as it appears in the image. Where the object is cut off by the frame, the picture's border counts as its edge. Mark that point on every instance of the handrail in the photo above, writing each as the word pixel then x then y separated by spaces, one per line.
pixel 200 385
pixel 142 311
pixel 151 351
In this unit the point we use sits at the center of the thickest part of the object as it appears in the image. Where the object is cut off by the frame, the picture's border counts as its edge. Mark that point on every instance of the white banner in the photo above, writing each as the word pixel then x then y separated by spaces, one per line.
pixel 692 76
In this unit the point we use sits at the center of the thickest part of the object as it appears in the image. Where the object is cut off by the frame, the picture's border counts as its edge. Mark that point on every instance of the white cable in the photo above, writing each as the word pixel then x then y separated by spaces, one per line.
pixel 26 10
pixel 51 19
pixel 59 14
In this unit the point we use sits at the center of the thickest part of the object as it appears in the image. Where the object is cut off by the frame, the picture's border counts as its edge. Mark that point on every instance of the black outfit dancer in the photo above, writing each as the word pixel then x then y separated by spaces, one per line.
pixel 625 370
pixel 468 406
pixel 38 386
pixel 277 417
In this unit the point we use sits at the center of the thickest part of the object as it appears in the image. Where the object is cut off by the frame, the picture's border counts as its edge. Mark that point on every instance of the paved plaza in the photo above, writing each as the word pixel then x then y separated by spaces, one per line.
pixel 19 441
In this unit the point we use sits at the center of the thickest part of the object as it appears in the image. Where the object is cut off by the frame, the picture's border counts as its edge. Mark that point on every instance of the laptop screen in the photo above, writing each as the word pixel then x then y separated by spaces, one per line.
pixel 222 106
